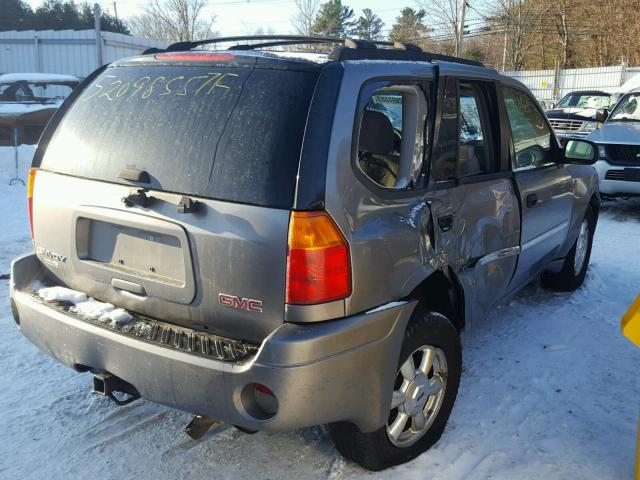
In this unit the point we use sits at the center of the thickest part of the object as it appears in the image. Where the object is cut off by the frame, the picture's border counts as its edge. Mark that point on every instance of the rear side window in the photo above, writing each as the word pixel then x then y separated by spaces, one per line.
pixel 226 133
pixel 392 135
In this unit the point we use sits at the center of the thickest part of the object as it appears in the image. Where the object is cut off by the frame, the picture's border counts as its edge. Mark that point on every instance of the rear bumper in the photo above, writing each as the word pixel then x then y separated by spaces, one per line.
pixel 340 370
pixel 615 187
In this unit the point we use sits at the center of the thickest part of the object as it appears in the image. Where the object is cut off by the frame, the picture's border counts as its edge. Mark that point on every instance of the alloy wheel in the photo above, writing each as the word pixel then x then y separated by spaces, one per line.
pixel 418 395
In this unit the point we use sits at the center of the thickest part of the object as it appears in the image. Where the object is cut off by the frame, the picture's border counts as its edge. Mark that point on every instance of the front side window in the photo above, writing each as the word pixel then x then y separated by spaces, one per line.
pixel 392 135
pixel 529 130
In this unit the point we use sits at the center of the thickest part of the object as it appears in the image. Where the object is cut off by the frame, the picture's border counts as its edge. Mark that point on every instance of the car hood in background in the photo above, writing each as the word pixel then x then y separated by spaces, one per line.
pixel 617 132
pixel 573 113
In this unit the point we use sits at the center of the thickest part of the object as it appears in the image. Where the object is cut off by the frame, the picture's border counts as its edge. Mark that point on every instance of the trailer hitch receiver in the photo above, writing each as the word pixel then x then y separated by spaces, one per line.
pixel 107 385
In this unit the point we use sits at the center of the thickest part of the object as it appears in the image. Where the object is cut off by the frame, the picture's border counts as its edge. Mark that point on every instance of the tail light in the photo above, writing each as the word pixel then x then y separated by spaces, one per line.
pixel 318 264
pixel 30 183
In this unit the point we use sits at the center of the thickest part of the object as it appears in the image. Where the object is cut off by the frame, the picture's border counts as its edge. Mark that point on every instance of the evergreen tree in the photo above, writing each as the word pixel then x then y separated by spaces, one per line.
pixel 16 15
pixel 369 26
pixel 410 27
pixel 334 19
pixel 108 23
pixel 55 15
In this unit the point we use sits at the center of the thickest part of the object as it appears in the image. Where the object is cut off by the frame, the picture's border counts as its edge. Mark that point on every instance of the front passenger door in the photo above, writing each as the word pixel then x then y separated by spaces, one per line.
pixel 545 188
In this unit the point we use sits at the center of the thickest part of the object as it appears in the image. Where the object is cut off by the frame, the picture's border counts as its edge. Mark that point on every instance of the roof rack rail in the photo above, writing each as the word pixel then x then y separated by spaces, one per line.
pixel 348 49
pixel 273 40
pixel 281 40
pixel 408 54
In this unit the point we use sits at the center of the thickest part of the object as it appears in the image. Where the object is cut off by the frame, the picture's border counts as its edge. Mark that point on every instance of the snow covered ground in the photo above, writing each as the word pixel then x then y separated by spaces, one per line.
pixel 550 390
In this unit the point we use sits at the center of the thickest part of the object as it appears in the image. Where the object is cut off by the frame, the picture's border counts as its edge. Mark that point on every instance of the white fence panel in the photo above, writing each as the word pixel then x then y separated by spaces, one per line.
pixel 540 82
pixel 551 85
pixel 70 52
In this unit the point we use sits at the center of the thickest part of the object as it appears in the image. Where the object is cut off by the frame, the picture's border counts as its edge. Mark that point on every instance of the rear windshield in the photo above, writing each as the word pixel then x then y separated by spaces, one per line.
pixel 227 133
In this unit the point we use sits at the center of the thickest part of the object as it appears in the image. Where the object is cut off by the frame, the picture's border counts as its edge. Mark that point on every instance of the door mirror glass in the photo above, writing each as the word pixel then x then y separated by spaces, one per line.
pixel 580 152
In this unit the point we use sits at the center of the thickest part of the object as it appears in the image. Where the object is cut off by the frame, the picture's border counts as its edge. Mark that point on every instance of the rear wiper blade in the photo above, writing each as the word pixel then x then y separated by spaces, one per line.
pixel 141 199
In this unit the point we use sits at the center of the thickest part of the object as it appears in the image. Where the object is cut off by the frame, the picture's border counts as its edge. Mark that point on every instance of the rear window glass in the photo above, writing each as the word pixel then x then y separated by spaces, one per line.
pixel 227 133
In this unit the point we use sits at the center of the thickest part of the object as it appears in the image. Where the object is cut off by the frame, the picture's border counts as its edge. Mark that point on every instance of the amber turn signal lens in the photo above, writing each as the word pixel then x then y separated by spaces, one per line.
pixel 318 263
pixel 30 184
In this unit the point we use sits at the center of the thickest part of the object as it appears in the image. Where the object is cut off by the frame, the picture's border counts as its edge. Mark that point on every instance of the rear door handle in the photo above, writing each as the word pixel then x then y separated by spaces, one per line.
pixel 445 223
pixel 532 200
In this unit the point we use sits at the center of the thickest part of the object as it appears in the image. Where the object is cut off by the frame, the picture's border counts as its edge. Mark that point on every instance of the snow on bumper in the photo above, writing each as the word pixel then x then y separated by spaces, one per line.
pixel 341 370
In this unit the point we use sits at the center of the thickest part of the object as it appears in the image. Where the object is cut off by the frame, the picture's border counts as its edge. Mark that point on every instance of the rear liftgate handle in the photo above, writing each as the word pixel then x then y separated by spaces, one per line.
pixel 128 286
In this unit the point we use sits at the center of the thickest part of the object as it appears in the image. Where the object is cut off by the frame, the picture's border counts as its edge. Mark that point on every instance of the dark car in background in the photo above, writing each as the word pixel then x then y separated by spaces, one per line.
pixel 580 113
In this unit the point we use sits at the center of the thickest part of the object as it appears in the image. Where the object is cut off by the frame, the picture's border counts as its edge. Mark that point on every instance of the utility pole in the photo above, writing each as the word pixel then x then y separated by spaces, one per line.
pixel 504 49
pixel 115 10
pixel 96 18
pixel 506 33
pixel 460 32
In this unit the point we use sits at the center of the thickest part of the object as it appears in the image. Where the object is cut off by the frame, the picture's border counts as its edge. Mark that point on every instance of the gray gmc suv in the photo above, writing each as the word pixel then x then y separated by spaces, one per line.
pixel 280 240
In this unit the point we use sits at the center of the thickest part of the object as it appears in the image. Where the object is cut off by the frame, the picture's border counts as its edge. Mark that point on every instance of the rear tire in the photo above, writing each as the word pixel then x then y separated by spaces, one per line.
pixel 432 344
pixel 575 266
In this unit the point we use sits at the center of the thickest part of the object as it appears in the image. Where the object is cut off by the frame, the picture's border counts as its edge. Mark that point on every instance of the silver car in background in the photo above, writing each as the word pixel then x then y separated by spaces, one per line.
pixel 618 164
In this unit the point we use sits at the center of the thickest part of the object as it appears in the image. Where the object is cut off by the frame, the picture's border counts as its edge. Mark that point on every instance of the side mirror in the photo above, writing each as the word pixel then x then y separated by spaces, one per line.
pixel 580 152
pixel 601 115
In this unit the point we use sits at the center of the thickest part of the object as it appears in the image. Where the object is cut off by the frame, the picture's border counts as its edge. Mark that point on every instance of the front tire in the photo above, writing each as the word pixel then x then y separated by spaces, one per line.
pixel 576 263
pixel 424 392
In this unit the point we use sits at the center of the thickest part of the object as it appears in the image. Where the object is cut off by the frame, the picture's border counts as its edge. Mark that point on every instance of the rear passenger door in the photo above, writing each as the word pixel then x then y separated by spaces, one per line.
pixel 474 206
pixel 545 188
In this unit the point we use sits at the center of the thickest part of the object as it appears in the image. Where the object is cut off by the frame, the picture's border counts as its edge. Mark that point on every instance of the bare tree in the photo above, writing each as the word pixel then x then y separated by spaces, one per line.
pixel 173 21
pixel 446 16
pixel 259 30
pixel 521 22
pixel 304 20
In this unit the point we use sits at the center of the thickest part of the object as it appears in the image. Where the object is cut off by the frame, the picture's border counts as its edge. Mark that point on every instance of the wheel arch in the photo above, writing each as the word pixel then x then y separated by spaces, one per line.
pixel 594 203
pixel 442 292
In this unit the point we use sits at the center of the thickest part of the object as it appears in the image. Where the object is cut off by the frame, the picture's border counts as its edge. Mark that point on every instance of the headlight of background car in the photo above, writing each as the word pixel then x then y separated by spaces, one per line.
pixel 601 152
pixel 590 126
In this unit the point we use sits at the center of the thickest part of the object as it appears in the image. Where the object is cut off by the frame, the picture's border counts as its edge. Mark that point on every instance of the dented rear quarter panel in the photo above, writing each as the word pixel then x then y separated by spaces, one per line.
pixel 390 248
